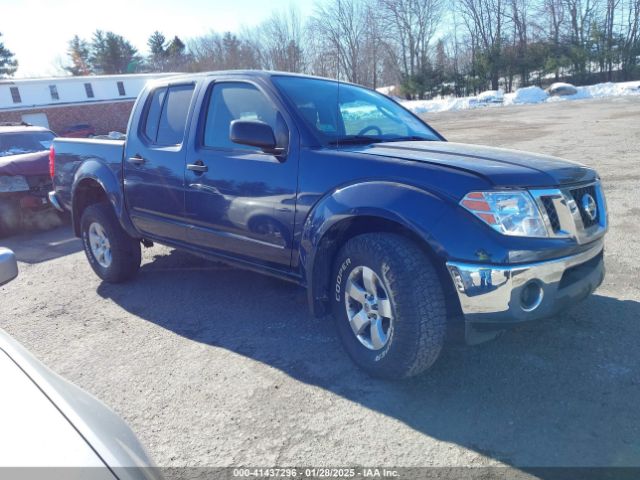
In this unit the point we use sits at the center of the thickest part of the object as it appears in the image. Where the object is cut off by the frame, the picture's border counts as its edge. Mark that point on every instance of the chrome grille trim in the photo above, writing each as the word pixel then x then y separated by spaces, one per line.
pixel 563 216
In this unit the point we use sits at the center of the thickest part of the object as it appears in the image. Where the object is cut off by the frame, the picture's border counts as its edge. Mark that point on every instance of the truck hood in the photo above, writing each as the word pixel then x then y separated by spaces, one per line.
pixel 501 167
pixel 27 164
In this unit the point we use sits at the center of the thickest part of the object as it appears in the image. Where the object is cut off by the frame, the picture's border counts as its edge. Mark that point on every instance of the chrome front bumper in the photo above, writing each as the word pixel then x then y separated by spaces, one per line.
pixel 497 294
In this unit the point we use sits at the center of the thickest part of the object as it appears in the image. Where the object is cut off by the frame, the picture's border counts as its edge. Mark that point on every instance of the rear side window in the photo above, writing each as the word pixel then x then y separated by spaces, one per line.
pixel 173 117
pixel 152 118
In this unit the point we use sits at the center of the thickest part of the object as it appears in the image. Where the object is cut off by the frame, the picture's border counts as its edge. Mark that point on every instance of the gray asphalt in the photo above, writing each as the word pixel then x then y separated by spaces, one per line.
pixel 215 366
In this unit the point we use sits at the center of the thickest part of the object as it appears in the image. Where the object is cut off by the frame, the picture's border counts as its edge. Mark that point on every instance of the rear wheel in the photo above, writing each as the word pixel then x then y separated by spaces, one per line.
pixel 112 253
pixel 388 305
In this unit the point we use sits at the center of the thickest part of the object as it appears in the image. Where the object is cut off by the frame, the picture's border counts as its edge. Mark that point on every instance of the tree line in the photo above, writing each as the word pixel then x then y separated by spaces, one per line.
pixel 427 47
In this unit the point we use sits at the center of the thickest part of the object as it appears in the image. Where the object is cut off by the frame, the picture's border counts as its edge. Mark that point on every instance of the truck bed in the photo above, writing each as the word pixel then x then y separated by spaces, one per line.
pixel 72 154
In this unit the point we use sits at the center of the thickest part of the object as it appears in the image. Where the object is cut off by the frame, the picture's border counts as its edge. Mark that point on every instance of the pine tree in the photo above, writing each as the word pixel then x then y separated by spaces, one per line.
pixel 112 53
pixel 157 44
pixel 78 52
pixel 8 63
pixel 98 50
pixel 176 47
pixel 177 58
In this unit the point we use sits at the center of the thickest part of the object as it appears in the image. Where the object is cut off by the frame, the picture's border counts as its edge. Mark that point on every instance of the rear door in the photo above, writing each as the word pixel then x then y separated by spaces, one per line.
pixel 154 162
pixel 242 201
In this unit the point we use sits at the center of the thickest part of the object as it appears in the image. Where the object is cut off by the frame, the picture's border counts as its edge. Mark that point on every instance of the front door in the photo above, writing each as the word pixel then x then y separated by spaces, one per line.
pixel 240 201
pixel 154 163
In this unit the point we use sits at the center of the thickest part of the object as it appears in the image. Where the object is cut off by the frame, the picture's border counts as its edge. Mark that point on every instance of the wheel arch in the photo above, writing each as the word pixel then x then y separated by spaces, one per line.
pixel 94 183
pixel 375 207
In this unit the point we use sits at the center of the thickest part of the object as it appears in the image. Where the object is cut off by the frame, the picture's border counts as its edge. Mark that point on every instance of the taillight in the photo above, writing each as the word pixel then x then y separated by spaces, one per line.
pixel 52 162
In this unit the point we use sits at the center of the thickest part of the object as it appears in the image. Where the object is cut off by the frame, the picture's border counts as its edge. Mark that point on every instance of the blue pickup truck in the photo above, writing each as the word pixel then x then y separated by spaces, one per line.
pixel 391 229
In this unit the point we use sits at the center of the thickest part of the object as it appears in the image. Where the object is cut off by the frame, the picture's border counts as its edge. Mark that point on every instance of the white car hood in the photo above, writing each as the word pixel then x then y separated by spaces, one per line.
pixel 47 421
pixel 34 433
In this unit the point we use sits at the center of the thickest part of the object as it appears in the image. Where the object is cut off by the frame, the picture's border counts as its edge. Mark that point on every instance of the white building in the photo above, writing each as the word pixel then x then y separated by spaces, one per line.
pixel 61 102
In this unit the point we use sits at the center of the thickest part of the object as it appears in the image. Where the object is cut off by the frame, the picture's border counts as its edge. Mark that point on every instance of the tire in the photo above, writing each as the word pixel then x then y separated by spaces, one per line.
pixel 408 291
pixel 125 255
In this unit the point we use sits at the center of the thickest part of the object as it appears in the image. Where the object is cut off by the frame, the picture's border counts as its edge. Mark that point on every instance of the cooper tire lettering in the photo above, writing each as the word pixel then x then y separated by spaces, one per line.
pixel 338 287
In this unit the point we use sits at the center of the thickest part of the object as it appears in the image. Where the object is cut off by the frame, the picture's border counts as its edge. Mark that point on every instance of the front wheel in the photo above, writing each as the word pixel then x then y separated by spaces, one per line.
pixel 388 305
pixel 112 253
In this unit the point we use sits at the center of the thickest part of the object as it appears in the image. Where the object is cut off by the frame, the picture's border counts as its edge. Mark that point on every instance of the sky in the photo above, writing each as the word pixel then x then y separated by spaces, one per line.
pixel 37 31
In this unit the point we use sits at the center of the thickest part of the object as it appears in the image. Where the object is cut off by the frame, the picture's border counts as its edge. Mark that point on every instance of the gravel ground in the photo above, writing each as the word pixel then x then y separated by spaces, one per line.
pixel 213 366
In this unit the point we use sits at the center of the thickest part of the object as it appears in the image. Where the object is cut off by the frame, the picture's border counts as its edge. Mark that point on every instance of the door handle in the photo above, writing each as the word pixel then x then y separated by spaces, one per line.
pixel 198 167
pixel 136 160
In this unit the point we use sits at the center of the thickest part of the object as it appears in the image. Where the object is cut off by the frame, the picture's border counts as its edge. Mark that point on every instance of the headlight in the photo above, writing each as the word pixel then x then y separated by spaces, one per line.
pixel 510 213
pixel 16 183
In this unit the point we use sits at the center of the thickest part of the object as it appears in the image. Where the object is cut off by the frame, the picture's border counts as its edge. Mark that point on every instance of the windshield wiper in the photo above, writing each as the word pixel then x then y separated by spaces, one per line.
pixel 410 138
pixel 356 140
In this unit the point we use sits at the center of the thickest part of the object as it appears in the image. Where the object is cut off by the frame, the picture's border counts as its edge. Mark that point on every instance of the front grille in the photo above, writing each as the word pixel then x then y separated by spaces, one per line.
pixel 547 202
pixel 578 194
pixel 565 215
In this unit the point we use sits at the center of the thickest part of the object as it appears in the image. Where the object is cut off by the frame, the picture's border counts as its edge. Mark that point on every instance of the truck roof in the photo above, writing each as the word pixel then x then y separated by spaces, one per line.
pixel 244 73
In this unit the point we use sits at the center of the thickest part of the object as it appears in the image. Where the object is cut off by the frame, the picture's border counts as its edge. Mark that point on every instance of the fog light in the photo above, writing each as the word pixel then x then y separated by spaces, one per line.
pixel 531 296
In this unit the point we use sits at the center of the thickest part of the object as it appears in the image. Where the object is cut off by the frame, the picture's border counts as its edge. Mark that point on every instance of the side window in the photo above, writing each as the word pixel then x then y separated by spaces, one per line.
pixel 239 101
pixel 166 114
pixel 152 118
pixel 173 118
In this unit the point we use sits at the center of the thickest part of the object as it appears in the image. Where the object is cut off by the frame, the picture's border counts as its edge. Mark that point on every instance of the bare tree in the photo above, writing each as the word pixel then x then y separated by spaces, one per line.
pixel 630 36
pixel 222 52
pixel 485 21
pixel 581 14
pixel 521 22
pixel 413 24
pixel 282 41
pixel 341 26
pixel 552 13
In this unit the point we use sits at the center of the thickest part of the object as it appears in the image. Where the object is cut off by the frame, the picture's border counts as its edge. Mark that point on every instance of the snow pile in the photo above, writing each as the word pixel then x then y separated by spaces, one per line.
pixel 522 96
pixel 603 90
pixel 390 91
pixel 527 95
pixel 441 104
pixel 610 89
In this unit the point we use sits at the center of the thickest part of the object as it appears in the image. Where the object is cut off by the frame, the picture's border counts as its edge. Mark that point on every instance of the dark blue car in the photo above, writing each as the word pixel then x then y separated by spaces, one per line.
pixel 390 228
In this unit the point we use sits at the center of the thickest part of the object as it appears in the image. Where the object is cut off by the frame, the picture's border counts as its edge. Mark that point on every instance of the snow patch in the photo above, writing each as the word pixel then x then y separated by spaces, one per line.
pixel 526 96
pixel 522 96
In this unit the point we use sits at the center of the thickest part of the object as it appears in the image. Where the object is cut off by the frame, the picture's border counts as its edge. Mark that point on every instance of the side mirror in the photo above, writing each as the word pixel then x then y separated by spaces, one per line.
pixel 256 134
pixel 8 266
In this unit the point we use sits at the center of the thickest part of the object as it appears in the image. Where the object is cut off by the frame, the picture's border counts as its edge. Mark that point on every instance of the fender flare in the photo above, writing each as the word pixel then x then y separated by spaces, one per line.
pixel 94 170
pixel 411 208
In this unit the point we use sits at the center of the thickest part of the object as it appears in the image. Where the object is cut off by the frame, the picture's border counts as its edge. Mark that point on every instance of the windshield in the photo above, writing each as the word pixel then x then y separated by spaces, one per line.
pixel 24 142
pixel 345 114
